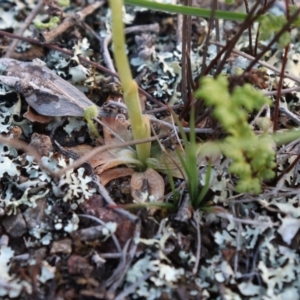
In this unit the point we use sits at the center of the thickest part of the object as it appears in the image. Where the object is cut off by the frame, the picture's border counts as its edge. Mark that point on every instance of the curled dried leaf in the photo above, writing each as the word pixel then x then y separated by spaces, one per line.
pixel 145 184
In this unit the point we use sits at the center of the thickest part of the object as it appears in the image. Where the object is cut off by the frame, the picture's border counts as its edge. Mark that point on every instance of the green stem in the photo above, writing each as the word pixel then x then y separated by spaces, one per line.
pixel 140 124
pixel 188 10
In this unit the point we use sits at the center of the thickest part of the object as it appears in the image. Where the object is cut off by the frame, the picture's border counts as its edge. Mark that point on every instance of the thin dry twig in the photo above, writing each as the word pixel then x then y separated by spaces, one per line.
pixel 276 37
pixel 113 236
pixel 104 193
pixel 264 107
pixel 283 91
pixel 24 26
pixel 130 256
pixel 230 217
pixel 291 115
pixel 210 27
pixel 129 290
pixel 280 83
pixel 263 63
pixel 71 21
pixel 185 129
pixel 91 30
pixel 119 269
pixel 110 130
pixel 228 49
pixel 185 48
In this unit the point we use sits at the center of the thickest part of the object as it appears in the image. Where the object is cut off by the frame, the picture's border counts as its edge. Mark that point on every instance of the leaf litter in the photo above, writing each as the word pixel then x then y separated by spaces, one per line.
pixel 65 238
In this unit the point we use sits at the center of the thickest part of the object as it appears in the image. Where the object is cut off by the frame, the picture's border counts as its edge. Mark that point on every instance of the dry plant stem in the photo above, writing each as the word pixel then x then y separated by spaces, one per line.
pixel 277 101
pixel 228 49
pixel 131 289
pixel 109 129
pixel 216 59
pixel 185 129
pixel 24 26
pixel 264 10
pixel 289 168
pixel 106 56
pixel 129 257
pixel 229 217
pixel 104 193
pixel 274 40
pixel 156 110
pixel 248 21
pixel 185 48
pixel 264 64
pixel 116 274
pixel 291 115
pixel 217 26
pixel 229 46
pixel 284 91
pixel 284 61
pixel 71 21
pixel 264 107
pixel 210 27
pixel 190 88
pixel 93 32
pixel 249 28
pixel 288 146
pixel 113 236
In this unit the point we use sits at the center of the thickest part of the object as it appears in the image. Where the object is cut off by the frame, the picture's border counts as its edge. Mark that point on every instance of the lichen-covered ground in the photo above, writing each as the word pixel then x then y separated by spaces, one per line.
pixel 71 232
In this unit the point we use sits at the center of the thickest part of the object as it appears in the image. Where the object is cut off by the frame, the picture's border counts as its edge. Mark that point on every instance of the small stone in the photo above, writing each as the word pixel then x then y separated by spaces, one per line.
pixel 15 225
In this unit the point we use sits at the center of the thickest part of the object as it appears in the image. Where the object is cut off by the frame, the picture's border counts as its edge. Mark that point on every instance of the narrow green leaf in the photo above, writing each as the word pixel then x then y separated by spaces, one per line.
pixel 206 185
pixel 187 10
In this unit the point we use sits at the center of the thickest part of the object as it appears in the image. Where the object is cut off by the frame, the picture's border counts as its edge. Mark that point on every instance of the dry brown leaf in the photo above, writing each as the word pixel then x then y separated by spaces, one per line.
pixel 120 126
pixel 122 157
pixel 108 175
pixel 97 160
pixel 144 184
pixel 33 116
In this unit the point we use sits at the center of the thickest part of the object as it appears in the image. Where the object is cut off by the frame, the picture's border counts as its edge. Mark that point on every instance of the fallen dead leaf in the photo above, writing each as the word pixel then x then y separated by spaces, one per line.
pixel 33 116
pixel 108 175
pixel 122 157
pixel 144 184
pixel 97 160
pixel 120 126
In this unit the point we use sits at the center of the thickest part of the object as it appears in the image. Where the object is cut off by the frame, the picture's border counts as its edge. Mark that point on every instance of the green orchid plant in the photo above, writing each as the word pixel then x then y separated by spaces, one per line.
pixel 140 123
pixel 252 155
